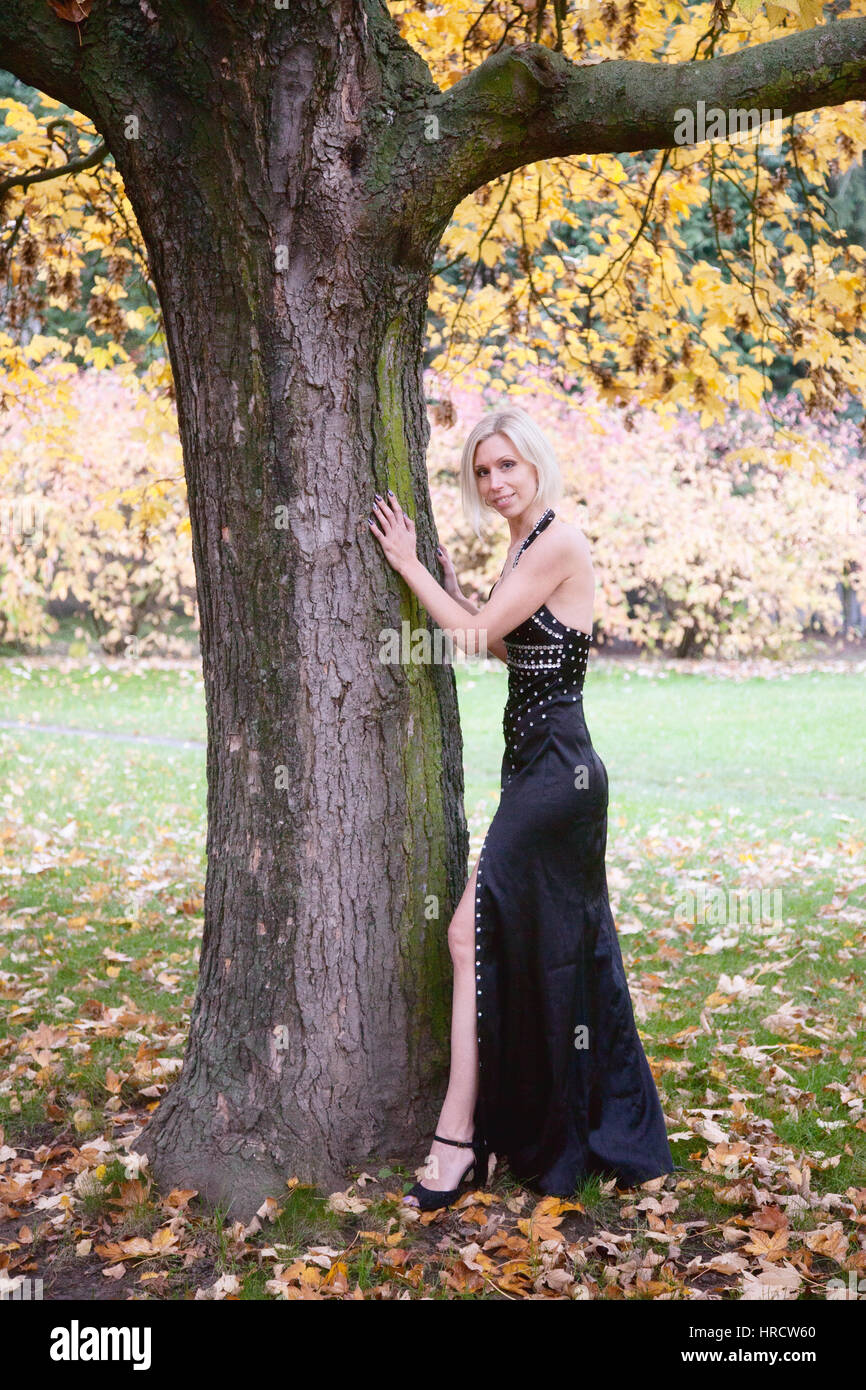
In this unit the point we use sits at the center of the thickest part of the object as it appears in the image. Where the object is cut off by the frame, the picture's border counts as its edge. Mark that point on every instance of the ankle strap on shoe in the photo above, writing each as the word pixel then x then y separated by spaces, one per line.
pixel 458 1143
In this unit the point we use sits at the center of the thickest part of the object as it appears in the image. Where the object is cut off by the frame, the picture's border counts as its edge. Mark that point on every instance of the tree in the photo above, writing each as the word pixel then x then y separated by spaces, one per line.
pixel 292 170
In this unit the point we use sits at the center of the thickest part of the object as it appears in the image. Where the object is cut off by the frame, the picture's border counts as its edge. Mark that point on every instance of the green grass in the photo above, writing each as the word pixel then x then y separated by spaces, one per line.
pixel 770 754
pixel 777 754
pixel 117 696
pixel 733 782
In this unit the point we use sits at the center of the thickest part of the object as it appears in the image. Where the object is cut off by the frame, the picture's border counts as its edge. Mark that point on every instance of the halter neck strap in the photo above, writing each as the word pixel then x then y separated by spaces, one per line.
pixel 537 529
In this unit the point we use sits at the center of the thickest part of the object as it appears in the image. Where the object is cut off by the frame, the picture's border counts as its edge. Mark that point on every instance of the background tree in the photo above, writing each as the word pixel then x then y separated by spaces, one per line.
pixel 292 171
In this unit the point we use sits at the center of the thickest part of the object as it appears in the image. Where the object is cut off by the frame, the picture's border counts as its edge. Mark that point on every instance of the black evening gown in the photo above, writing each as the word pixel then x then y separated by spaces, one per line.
pixel 565 1089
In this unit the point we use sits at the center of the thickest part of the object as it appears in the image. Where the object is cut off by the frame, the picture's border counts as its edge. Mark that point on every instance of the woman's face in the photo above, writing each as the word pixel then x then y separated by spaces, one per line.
pixel 506 481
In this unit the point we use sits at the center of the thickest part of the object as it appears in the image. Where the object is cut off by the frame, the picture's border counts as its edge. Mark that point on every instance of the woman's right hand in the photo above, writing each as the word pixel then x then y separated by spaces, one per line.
pixel 449 575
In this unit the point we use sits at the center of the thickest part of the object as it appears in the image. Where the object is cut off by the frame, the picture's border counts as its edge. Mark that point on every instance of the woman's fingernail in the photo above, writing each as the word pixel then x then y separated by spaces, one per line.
pixel 390 493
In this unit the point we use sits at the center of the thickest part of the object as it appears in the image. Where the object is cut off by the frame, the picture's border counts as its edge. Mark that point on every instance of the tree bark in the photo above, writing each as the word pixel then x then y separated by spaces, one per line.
pixel 336 837
pixel 292 172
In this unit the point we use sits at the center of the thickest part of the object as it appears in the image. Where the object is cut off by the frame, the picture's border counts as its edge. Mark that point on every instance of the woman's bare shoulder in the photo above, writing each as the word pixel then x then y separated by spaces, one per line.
pixel 572 539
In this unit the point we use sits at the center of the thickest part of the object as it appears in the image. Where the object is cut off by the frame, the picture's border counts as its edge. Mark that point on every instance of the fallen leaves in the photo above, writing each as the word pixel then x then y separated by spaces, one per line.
pixel 544 1222
pixel 160 1243
pixel 761 1067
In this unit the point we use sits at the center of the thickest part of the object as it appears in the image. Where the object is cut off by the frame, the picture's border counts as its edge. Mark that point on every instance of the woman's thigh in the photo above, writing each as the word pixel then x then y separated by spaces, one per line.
pixel 461 930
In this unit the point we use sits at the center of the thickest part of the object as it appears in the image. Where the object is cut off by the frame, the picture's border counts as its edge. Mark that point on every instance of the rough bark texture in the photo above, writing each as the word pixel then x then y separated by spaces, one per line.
pixel 319 1033
pixel 291 190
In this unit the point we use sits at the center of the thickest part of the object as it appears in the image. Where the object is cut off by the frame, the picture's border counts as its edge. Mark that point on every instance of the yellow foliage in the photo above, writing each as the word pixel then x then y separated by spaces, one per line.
pixel 624 313
pixel 626 310
pixel 52 225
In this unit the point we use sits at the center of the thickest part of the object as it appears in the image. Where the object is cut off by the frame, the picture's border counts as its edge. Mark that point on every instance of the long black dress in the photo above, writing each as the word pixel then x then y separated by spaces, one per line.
pixel 565 1089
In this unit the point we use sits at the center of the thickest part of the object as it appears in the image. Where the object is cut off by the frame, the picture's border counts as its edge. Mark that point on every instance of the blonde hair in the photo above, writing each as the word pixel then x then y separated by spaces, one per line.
pixel 530 443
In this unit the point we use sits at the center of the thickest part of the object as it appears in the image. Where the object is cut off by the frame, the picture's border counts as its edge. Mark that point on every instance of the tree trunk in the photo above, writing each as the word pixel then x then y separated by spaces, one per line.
pixel 336 837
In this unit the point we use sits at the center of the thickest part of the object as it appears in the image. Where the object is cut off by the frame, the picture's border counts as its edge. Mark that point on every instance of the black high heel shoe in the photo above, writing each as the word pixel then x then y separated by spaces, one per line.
pixel 433 1201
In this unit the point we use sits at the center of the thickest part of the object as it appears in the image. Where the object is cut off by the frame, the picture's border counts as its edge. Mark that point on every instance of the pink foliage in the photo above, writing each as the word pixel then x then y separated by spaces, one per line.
pixel 94 509
pixel 702 539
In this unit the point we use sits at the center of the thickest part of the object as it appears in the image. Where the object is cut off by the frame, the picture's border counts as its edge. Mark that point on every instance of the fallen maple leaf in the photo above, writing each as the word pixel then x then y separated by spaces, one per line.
pixel 72 10
pixel 347 1201
pixel 828 1240
pixel 773 1282
pixel 769 1247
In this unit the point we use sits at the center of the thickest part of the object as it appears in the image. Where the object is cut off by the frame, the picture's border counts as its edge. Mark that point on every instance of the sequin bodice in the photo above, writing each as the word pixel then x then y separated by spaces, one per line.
pixel 546 665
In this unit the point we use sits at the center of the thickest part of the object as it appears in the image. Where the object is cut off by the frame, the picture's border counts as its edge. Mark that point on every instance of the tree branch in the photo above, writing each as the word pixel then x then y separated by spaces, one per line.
pixel 529 102
pixel 43 51
pixel 56 171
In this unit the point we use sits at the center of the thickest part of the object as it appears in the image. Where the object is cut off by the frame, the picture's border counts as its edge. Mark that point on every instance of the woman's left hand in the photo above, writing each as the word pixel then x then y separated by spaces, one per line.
pixel 395 532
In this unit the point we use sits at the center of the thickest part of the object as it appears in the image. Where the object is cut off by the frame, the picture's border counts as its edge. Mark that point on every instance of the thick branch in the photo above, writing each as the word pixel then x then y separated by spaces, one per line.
pixel 43 51
pixel 528 103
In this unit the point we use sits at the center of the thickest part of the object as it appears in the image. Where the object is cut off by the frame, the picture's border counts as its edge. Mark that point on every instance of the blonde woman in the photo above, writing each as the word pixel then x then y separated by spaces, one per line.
pixel 547 1068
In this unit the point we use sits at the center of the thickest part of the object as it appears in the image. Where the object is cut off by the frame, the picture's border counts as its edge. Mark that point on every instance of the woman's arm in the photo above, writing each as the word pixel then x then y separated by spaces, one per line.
pixel 542 569
pixel 451 585
pixel 491 648
pixel 450 582
pixel 454 591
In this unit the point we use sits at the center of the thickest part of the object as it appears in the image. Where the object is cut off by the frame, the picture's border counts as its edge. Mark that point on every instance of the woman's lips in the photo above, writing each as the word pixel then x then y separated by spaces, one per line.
pixel 502 501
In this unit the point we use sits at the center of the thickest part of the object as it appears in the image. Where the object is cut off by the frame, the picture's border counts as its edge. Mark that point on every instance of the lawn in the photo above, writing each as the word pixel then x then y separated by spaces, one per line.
pixel 755 1025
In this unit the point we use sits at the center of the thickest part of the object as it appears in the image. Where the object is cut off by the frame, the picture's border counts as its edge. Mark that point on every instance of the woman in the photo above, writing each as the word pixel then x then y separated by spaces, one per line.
pixel 547 1069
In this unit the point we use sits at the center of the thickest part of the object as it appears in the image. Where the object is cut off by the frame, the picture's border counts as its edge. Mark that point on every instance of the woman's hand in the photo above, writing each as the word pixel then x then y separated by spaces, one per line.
pixel 450 582
pixel 395 531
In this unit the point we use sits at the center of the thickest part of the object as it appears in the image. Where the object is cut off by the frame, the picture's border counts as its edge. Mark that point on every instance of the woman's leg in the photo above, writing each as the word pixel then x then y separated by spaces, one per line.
pixel 446 1163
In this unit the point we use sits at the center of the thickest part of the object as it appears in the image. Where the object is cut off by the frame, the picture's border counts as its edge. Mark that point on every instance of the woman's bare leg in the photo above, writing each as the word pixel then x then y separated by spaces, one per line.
pixel 446 1163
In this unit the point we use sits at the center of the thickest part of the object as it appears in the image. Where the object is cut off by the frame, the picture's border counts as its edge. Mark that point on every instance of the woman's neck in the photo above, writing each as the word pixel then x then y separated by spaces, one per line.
pixel 523 525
